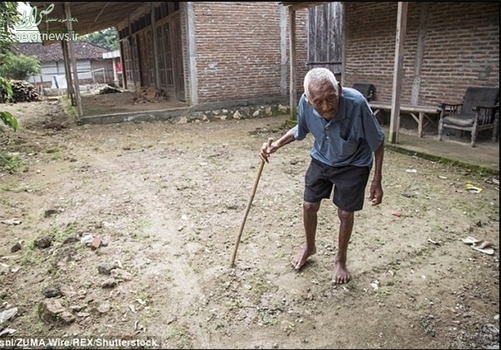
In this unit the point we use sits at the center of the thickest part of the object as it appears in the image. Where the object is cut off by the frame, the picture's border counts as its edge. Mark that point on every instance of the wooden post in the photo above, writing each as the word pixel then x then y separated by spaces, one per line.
pixel 192 53
pixel 122 63
pixel 71 45
pixel 292 52
pixel 67 72
pixel 397 74
pixel 418 60
pixel 283 50
pixel 155 48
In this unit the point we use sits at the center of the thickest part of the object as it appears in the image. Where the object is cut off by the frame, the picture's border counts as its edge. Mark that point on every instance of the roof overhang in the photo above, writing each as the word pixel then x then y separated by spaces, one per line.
pixel 85 17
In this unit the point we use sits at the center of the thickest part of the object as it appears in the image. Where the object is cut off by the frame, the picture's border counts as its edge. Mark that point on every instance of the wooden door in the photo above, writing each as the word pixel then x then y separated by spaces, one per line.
pixel 161 59
pixel 143 59
pixel 127 69
pixel 135 61
pixel 169 77
pixel 150 58
pixel 325 36
pixel 177 56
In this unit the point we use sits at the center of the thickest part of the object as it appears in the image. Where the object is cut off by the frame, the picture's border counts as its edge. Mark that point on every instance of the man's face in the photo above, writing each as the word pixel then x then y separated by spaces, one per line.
pixel 324 99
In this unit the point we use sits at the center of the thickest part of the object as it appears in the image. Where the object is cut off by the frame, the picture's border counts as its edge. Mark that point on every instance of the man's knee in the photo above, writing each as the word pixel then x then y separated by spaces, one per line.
pixel 345 215
pixel 311 207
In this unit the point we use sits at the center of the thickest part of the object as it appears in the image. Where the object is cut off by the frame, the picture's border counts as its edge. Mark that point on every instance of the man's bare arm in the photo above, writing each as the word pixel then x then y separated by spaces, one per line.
pixel 376 189
pixel 266 151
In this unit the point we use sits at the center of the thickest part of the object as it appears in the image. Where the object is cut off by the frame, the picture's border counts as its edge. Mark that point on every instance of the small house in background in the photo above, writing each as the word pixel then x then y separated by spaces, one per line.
pixel 94 64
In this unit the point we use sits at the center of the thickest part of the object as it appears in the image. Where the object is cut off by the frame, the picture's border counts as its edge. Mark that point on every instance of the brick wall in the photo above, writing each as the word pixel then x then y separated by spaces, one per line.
pixel 461 48
pixel 239 52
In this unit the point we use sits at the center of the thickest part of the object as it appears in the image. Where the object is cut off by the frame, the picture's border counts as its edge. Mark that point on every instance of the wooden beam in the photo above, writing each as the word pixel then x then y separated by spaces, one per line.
pixel 283 50
pixel 78 99
pixel 418 60
pixel 343 40
pixel 397 74
pixel 155 47
pixel 67 72
pixel 192 53
pixel 292 52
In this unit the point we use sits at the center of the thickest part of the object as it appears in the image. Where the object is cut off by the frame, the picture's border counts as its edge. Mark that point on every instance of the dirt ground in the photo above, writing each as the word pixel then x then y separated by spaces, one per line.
pixel 126 231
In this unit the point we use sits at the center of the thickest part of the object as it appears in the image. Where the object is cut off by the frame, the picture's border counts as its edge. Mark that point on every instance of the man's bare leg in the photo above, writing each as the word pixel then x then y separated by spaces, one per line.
pixel 341 273
pixel 310 227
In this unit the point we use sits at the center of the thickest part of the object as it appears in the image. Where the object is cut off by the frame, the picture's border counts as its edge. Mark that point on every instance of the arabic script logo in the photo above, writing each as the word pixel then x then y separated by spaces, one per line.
pixel 33 18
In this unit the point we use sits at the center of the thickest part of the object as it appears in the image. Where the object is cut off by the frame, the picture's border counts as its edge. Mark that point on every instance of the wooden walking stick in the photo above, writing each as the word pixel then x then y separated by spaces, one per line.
pixel 256 181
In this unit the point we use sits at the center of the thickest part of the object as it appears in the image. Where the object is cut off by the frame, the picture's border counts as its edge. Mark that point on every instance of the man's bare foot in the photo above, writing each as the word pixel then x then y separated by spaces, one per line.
pixel 341 273
pixel 300 258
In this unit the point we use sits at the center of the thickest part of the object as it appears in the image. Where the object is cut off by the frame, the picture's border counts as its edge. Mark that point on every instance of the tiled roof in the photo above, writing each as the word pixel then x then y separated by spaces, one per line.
pixel 54 52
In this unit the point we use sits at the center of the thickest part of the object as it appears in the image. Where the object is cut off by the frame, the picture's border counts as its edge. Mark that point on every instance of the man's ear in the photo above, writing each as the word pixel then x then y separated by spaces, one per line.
pixel 307 99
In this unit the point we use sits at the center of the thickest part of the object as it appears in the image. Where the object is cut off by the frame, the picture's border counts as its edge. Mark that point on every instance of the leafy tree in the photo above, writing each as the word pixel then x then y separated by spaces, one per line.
pixel 19 67
pixel 8 19
pixel 6 117
pixel 107 38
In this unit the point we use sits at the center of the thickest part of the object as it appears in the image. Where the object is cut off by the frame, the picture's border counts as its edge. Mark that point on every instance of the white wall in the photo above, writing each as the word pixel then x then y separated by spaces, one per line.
pixel 54 71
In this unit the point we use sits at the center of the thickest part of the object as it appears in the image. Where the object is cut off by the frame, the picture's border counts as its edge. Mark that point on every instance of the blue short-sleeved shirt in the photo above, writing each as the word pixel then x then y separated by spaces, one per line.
pixel 350 138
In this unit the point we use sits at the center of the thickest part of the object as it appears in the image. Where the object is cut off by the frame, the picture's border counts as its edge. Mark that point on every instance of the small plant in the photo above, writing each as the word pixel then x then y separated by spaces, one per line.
pixel 9 162
pixel 8 119
pixel 383 291
pixel 138 231
pixel 55 154
pixel 68 108
pixel 29 257
pixel 6 94
pixel 70 230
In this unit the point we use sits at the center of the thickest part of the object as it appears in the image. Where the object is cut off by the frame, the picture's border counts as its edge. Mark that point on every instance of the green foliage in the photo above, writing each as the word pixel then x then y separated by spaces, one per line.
pixel 5 90
pixel 8 19
pixel 107 38
pixel 9 162
pixel 9 120
pixel 19 67
pixel 5 95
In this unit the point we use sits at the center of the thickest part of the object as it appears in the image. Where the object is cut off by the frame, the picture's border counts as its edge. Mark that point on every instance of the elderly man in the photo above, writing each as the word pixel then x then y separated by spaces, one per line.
pixel 348 142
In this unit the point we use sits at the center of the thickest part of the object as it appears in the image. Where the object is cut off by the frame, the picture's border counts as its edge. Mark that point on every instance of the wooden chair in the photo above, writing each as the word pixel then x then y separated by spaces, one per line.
pixel 367 89
pixel 479 111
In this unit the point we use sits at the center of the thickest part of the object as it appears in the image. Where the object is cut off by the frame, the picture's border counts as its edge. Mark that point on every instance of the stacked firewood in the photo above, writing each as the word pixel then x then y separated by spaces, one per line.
pixel 148 94
pixel 22 91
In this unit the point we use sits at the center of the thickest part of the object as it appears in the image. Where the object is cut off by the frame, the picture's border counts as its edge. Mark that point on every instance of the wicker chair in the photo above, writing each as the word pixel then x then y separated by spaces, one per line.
pixel 479 111
pixel 367 89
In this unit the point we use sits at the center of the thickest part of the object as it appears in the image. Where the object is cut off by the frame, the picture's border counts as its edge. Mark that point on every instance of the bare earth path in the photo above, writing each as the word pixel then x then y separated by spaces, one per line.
pixel 167 201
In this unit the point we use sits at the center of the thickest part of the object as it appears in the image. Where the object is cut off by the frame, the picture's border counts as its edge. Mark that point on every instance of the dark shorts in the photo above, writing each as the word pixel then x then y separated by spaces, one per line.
pixel 349 185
